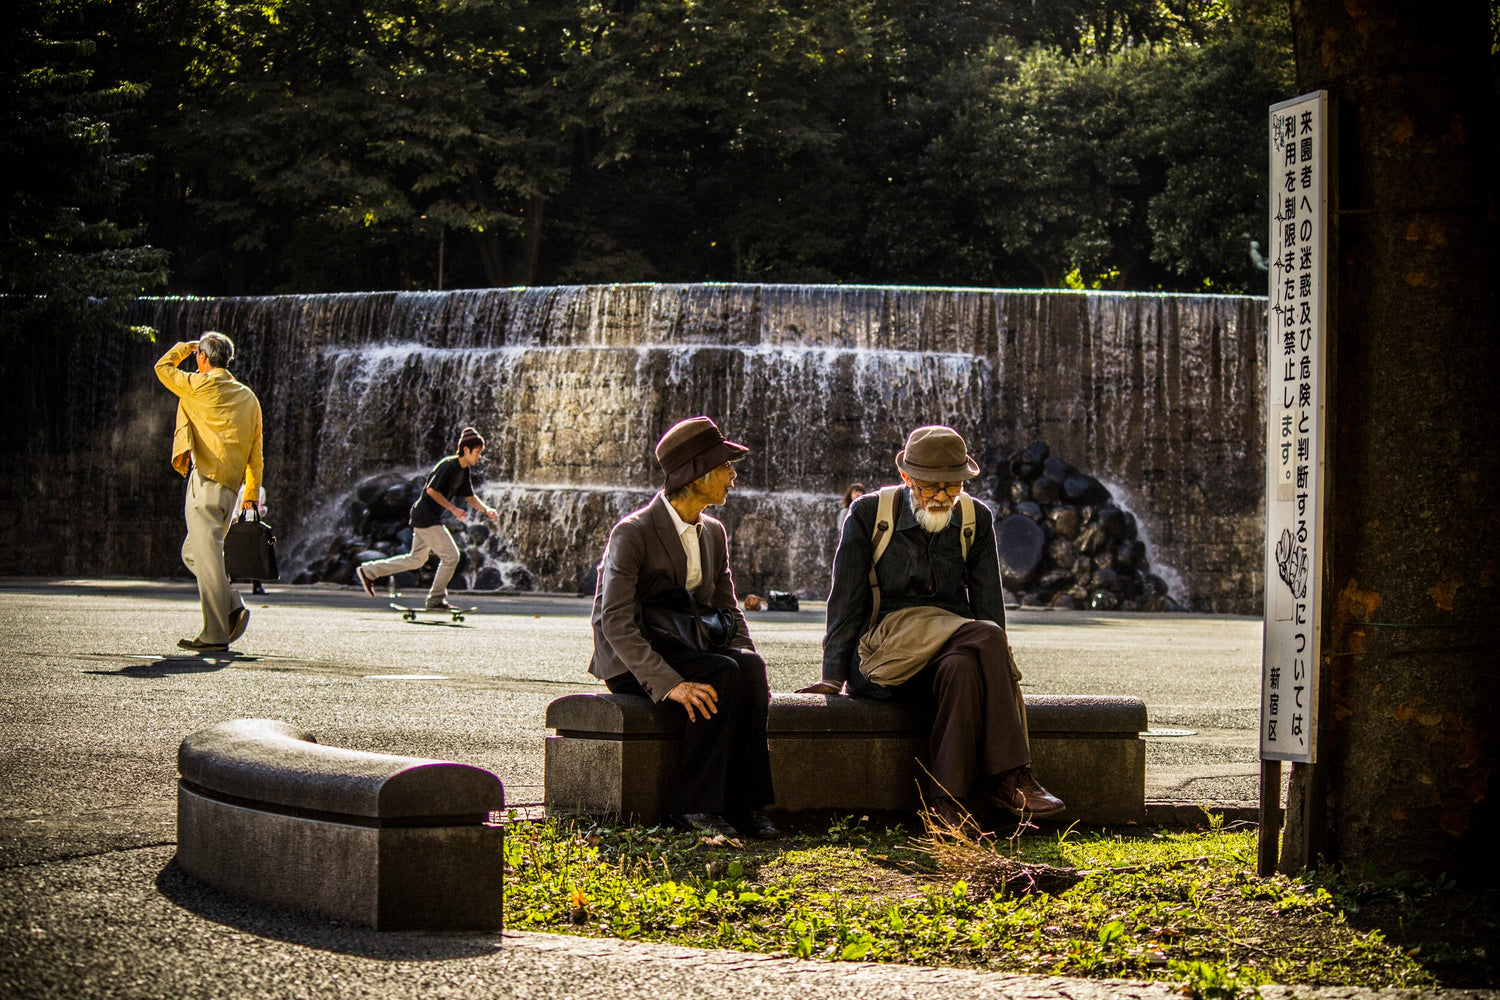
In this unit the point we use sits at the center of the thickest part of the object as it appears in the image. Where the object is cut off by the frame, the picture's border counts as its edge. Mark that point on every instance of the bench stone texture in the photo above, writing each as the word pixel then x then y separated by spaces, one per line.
pixel 616 754
pixel 394 843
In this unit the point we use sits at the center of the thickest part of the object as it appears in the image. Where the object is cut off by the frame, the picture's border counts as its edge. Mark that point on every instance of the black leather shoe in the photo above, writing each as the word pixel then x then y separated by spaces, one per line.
pixel 758 825
pixel 203 647
pixel 707 824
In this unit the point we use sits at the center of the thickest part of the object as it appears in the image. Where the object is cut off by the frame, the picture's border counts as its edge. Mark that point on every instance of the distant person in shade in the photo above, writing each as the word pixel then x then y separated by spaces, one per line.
pixel 217 446
pixel 723 779
pixel 853 493
pixel 448 483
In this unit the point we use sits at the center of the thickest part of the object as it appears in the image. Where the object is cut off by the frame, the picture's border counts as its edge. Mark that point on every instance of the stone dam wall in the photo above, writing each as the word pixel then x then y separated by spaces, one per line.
pixel 1158 396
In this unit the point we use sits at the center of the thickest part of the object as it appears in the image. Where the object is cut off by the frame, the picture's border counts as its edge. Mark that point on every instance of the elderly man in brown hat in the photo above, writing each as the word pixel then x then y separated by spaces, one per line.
pixel 917 613
pixel 655 554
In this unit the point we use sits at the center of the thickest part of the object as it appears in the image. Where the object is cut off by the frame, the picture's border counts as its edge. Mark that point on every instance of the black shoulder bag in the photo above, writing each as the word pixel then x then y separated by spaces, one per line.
pixel 676 625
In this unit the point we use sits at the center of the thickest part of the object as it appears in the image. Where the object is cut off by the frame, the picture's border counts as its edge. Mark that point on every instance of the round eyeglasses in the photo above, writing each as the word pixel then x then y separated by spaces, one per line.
pixel 950 490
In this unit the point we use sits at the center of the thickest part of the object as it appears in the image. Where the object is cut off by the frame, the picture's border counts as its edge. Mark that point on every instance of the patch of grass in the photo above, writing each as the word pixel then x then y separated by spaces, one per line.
pixel 1183 907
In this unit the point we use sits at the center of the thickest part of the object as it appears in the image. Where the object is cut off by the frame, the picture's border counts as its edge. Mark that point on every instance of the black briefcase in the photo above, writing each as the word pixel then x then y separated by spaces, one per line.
pixel 250 549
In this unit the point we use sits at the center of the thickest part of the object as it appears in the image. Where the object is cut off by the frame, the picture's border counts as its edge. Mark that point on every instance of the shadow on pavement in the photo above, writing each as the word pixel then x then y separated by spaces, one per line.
pixel 293 927
pixel 167 666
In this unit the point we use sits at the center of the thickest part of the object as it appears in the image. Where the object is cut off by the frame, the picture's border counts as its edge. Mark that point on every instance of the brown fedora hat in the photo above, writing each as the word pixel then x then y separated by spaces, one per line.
pixel 692 448
pixel 936 454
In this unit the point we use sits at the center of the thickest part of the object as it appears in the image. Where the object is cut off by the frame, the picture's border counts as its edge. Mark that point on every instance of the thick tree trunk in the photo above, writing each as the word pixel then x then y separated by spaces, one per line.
pixel 1411 665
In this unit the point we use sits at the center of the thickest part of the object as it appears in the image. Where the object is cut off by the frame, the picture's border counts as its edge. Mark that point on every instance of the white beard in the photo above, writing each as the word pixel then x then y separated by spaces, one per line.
pixel 933 521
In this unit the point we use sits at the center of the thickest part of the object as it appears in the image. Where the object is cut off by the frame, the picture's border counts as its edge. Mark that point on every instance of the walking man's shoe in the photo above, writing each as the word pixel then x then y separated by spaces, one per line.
pixel 203 647
pixel 238 619
pixel 365 580
pixel 1020 793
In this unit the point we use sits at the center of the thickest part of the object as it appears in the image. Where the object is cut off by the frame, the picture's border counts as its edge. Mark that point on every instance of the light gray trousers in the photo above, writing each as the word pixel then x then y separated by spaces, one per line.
pixel 423 541
pixel 209 509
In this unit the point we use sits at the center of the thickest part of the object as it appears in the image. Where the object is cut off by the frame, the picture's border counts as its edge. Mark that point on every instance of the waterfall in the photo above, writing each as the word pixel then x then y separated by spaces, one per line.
pixel 572 387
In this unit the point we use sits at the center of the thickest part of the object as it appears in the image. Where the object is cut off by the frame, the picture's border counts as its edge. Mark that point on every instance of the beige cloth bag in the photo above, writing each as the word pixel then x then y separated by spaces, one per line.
pixel 895 650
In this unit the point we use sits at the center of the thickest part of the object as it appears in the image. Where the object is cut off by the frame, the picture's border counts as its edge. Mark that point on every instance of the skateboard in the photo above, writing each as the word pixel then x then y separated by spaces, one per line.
pixel 410 614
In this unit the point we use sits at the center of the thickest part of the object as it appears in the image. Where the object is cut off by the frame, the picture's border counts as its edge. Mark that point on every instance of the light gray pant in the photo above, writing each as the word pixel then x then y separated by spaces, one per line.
pixel 423 540
pixel 209 509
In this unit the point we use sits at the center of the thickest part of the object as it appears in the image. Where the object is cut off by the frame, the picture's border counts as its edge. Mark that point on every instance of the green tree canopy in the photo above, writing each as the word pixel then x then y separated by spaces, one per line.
pixel 300 146
pixel 69 254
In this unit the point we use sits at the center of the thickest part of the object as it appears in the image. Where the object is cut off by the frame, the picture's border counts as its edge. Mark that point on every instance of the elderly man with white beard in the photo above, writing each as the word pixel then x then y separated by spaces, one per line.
pixel 917 613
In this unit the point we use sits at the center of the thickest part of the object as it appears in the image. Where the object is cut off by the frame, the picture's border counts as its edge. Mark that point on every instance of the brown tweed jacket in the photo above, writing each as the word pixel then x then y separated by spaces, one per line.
pixel 643 544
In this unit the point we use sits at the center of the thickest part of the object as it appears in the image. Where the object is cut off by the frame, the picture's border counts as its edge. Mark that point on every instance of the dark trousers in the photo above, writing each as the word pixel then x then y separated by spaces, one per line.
pixel 976 725
pixel 724 765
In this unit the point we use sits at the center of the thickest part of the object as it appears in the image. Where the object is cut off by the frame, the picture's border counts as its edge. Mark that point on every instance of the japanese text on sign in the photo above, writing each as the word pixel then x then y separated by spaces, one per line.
pixel 1294 426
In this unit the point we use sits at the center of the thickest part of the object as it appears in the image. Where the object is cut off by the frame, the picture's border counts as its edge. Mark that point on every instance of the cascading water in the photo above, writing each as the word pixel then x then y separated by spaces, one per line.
pixel 573 386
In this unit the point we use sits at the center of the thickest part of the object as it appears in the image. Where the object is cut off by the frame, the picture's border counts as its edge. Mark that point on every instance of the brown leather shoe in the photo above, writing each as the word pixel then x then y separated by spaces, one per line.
pixel 1020 793
pixel 238 619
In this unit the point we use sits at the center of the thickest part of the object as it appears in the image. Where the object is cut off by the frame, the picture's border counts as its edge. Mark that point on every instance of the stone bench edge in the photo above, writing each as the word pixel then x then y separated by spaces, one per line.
pixel 266 763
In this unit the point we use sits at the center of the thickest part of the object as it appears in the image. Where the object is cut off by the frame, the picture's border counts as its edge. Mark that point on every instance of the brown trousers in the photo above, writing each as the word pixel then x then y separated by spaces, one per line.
pixel 976 727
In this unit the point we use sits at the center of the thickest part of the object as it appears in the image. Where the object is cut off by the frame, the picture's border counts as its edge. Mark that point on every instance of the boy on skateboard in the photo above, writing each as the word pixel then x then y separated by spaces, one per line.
pixel 448 483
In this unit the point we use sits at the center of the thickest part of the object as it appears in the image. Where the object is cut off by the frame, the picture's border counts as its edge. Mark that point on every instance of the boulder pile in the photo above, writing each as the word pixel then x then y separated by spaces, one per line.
pixel 1064 542
pixel 373 523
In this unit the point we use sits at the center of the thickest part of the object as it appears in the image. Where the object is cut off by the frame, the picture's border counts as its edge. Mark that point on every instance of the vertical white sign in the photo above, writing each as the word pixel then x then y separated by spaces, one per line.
pixel 1295 426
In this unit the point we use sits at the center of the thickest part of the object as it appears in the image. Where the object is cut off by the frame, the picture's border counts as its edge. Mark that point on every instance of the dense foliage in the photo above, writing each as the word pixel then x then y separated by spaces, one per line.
pixel 69 252
pixel 284 145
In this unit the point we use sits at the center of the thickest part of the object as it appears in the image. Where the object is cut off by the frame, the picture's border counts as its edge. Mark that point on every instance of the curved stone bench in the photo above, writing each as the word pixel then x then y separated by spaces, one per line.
pixel 616 754
pixel 267 813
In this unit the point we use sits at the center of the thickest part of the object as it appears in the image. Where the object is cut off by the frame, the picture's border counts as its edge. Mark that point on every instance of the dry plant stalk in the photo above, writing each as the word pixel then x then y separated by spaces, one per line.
pixel 961 846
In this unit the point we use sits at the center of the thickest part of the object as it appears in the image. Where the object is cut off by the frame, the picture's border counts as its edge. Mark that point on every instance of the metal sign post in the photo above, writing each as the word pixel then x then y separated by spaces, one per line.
pixel 1296 453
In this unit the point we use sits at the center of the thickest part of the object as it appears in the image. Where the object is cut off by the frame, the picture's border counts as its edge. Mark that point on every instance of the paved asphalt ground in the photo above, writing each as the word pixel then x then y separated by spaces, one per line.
pixel 95 698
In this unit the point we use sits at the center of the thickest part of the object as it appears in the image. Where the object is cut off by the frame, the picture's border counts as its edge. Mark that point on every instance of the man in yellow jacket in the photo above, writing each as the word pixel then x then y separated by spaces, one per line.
pixel 217 446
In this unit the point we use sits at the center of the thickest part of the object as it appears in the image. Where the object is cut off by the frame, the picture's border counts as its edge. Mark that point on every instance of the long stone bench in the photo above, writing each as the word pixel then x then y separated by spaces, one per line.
pixel 395 843
pixel 615 754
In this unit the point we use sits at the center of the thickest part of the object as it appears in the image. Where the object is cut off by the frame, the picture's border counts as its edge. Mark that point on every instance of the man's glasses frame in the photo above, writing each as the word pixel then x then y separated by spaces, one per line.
pixel 950 490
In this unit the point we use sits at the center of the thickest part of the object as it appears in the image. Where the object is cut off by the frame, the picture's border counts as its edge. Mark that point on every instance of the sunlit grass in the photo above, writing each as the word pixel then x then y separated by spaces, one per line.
pixel 1185 907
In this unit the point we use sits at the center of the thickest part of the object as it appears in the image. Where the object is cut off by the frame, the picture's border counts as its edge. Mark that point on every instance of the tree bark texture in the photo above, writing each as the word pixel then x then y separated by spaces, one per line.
pixel 1413 529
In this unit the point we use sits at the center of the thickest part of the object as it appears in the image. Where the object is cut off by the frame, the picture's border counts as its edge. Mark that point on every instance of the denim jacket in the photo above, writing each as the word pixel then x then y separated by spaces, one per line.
pixel 918 568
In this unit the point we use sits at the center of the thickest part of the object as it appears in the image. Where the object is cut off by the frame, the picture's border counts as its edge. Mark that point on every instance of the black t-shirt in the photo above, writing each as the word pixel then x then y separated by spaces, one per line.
pixel 448 478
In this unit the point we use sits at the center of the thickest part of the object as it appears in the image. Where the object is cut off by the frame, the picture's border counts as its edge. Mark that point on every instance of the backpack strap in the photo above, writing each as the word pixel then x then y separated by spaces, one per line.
pixel 885 525
pixel 885 518
pixel 966 512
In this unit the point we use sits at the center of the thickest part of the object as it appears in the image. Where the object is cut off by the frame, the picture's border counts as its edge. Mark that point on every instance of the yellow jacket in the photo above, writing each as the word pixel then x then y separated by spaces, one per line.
pixel 218 424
